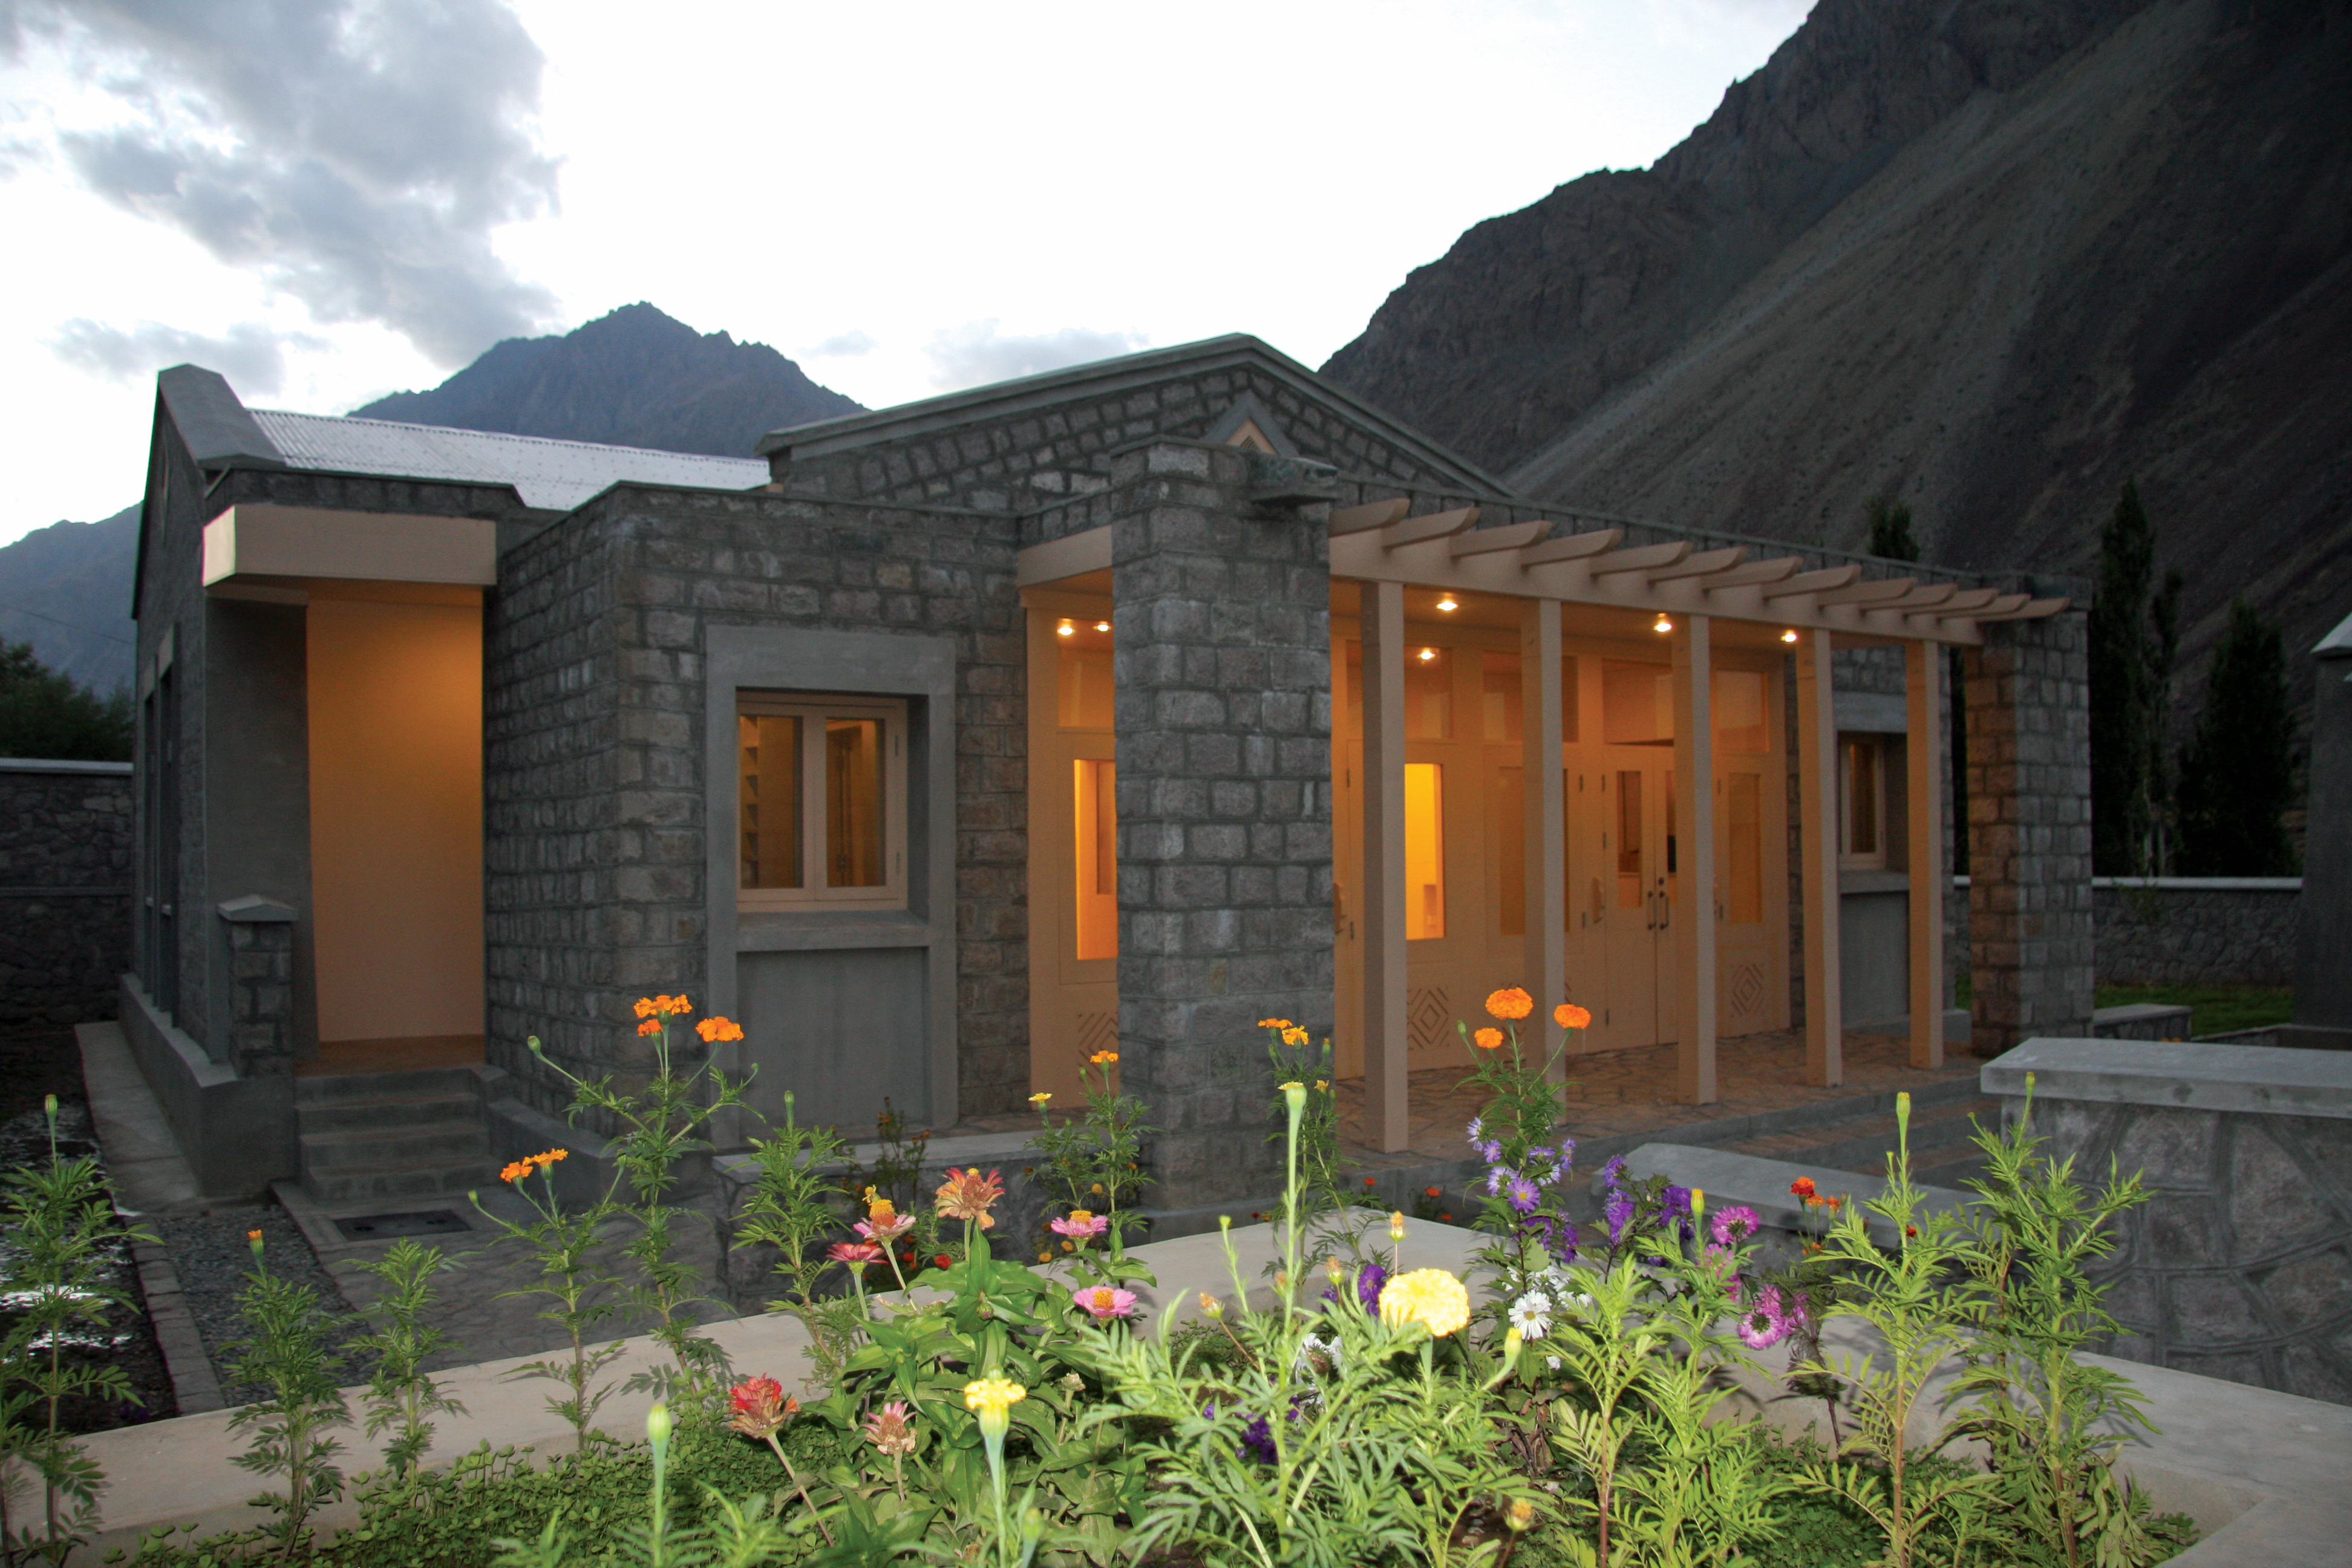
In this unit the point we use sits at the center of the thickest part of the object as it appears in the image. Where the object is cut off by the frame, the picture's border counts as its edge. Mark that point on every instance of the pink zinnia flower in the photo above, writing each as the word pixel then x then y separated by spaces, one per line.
pixel 855 1252
pixel 882 1232
pixel 892 1429
pixel 1081 1224
pixel 761 1405
pixel 1104 1302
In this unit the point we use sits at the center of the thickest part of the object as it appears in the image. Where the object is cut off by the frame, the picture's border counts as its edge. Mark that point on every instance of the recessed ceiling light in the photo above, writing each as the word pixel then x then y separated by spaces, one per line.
pixel 1663 625
pixel 1789 635
pixel 1427 653
pixel 1102 625
pixel 1065 629
pixel 1447 603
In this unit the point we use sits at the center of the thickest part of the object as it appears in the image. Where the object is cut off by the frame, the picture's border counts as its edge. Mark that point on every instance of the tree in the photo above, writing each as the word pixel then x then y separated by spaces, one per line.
pixel 2131 655
pixel 1890 530
pixel 2237 773
pixel 45 714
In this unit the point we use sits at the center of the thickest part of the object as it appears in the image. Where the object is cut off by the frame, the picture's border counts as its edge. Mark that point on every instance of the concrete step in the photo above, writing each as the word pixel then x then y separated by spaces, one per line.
pixel 336 1089
pixel 372 1184
pixel 376 1115
pixel 425 1144
pixel 1862 1143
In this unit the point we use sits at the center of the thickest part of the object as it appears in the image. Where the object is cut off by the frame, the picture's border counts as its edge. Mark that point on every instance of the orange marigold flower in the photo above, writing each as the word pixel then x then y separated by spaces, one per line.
pixel 1487 1039
pixel 516 1172
pixel 718 1028
pixel 1568 1015
pixel 968 1195
pixel 1510 1003
pixel 644 1007
pixel 1275 1023
pixel 1802 1186
pixel 549 1156
pixel 1294 1036
pixel 650 1026
pixel 253 1236
pixel 1103 1058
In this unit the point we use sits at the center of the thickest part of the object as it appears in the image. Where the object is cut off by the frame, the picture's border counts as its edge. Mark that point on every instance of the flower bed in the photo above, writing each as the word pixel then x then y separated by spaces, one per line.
pixel 1568 1400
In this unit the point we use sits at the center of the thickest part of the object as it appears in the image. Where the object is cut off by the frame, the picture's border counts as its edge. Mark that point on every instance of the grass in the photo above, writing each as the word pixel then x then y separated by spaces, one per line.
pixel 2213 1009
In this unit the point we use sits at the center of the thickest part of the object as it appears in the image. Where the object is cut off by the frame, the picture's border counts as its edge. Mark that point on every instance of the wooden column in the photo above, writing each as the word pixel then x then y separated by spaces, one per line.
pixel 1694 913
pixel 1545 965
pixel 1388 1125
pixel 1817 790
pixel 1923 672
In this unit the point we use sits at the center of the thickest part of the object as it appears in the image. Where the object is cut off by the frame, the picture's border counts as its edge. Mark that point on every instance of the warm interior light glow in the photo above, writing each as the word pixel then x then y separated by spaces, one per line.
pixel 1065 629
pixel 1427 653
pixel 1102 625
pixel 1663 625
pixel 1789 635
pixel 1447 603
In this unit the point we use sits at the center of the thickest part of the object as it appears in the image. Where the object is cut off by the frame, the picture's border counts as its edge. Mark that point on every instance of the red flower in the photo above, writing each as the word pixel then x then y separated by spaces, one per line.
pixel 1431 1191
pixel 944 1261
pixel 1802 1186
pixel 762 1407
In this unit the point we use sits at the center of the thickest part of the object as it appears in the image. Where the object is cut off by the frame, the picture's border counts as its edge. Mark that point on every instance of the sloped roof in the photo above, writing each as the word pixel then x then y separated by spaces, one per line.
pixel 554 475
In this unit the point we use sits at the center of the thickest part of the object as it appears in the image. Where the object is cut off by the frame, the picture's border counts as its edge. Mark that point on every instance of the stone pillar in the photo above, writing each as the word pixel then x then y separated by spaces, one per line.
pixel 2028 788
pixel 260 938
pixel 2323 979
pixel 1221 588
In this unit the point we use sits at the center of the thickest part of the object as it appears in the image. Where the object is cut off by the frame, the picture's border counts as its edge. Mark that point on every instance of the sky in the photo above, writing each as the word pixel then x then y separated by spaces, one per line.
pixel 328 200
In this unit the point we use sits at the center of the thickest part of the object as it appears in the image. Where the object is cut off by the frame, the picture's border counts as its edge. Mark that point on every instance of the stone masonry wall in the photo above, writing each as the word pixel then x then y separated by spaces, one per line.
pixel 2028 804
pixel 65 891
pixel 2241 1265
pixel 1224 715
pixel 594 751
pixel 2180 933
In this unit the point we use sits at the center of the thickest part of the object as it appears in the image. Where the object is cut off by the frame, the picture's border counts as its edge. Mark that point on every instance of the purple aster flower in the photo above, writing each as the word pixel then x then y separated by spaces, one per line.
pixel 1675 1203
pixel 1257 1440
pixel 1522 1194
pixel 1477 1130
pixel 1490 1151
pixel 1620 1214
pixel 1498 1178
pixel 1369 1280
pixel 1732 1226
pixel 1612 1174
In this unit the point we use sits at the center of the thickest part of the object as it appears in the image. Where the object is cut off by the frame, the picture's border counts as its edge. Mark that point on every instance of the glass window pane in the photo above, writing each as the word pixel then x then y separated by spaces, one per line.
pixel 1861 797
pixel 1744 837
pixel 1424 851
pixel 853 802
pixel 1499 712
pixel 1428 694
pixel 1095 783
pixel 1629 839
pixel 1084 650
pixel 769 799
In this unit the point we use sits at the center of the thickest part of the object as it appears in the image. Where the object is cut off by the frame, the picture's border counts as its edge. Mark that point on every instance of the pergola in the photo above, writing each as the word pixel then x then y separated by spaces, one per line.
pixel 1383 549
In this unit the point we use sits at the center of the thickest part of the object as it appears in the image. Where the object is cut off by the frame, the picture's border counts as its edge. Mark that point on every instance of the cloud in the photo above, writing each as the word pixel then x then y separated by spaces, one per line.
pixel 975 354
pixel 355 153
pixel 251 355
pixel 845 345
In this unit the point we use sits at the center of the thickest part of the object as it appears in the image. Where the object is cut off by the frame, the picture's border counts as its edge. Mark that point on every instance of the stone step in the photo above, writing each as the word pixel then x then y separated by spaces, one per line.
pixel 365 1183
pixel 333 1088
pixel 425 1144
pixel 406 1110
pixel 1862 1143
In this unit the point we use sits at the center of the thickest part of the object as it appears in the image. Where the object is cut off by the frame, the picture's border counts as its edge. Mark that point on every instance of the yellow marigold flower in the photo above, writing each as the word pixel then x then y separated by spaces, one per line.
pixel 1568 1015
pixel 1294 1036
pixel 516 1170
pixel 992 1395
pixel 1510 1003
pixel 1487 1039
pixel 716 1028
pixel 1430 1296
pixel 1320 1085
pixel 1103 1058
pixel 1039 1098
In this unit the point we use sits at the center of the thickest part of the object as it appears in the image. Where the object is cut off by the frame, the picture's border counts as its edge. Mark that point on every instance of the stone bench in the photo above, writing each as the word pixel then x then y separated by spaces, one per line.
pixel 2141 1021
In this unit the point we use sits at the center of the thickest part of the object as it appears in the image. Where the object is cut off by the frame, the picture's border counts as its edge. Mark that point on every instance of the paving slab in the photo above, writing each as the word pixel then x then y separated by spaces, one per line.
pixel 144 1160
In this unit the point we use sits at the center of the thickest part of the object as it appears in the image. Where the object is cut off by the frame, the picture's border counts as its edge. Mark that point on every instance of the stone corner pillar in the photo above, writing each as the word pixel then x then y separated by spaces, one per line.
pixel 2029 795
pixel 259 937
pixel 1221 589
pixel 2323 979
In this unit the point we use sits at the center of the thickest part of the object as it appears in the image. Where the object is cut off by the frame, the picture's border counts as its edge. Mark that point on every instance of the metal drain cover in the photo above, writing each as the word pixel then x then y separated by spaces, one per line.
pixel 386 1226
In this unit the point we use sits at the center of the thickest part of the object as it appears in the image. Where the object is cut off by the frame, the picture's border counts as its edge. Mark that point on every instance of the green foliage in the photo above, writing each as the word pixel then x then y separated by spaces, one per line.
pixel 900 1152
pixel 1890 530
pixel 793 1201
pixel 61 1228
pixel 2133 641
pixel 579 1297
pixel 1096 1160
pixel 400 1395
pixel 2237 775
pixel 1335 1218
pixel 287 1355
pixel 43 714
pixel 2213 1009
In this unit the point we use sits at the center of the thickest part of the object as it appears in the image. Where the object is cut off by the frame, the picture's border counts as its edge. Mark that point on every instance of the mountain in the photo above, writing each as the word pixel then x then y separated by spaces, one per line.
pixel 66 589
pixel 635 378
pixel 1991 256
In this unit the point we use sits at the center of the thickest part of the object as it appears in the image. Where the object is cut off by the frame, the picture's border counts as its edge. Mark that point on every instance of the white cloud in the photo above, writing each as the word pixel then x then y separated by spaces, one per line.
pixel 845 345
pixel 253 356
pixel 976 353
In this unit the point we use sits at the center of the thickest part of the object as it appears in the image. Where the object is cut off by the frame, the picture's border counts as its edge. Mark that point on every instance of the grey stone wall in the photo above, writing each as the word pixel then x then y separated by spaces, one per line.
pixel 260 983
pixel 1224 714
pixel 593 753
pixel 2029 805
pixel 64 890
pixel 2198 931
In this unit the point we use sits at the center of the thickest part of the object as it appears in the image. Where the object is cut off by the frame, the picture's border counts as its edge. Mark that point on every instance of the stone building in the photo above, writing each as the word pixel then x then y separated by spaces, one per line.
pixel 946 745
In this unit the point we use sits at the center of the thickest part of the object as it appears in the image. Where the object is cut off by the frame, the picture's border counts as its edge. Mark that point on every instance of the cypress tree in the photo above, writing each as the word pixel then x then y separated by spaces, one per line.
pixel 44 713
pixel 1890 530
pixel 2237 775
pixel 2122 692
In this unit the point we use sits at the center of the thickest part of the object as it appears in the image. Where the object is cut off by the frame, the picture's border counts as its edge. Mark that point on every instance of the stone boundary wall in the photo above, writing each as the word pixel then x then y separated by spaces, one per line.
pixel 2197 930
pixel 2240 1265
pixel 64 890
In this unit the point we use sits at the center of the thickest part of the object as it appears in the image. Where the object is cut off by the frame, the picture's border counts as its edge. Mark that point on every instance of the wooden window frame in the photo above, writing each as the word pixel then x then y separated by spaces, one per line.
pixel 814 708
pixel 1849 859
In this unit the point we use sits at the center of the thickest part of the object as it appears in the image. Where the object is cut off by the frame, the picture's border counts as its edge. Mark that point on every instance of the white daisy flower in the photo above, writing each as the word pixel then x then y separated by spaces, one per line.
pixel 1552 1362
pixel 1531 1315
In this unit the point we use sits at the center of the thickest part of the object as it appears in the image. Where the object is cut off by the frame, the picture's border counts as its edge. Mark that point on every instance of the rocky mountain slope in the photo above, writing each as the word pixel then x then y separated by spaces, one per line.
pixel 66 589
pixel 635 378
pixel 1991 255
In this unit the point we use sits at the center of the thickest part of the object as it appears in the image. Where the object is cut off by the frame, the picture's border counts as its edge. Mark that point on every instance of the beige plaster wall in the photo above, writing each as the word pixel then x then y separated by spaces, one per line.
pixel 396 817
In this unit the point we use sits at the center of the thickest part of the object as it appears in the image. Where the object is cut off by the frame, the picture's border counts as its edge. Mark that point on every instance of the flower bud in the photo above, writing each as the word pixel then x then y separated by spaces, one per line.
pixel 1396 1224
pixel 49 1104
pixel 1698 1203
pixel 658 1425
pixel 1521 1515
pixel 1213 1307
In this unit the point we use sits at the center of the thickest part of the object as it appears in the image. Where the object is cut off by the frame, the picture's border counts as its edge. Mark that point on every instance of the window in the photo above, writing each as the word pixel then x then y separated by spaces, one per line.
pixel 1424 851
pixel 821 803
pixel 1095 788
pixel 1862 803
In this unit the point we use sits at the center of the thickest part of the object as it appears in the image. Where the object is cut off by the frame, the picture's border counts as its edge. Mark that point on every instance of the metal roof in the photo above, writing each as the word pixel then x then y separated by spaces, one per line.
pixel 555 475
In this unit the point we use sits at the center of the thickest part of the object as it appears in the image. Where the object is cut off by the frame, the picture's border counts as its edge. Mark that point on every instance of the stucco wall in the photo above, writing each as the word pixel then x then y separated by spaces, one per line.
pixel 64 890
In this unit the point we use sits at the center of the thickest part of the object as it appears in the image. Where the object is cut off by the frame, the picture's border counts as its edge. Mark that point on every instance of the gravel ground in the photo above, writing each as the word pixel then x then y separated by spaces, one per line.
pixel 126 1341
pixel 214 1261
